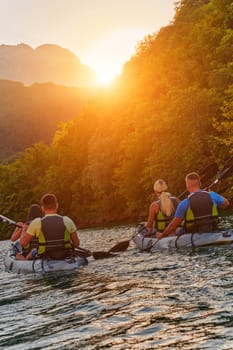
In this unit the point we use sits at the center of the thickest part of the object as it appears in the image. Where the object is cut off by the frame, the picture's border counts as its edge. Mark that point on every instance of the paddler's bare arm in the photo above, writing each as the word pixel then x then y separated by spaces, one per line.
pixel 25 239
pixel 225 204
pixel 75 239
pixel 170 229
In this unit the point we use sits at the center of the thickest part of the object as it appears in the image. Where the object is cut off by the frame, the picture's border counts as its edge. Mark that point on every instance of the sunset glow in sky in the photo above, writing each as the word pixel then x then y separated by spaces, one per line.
pixel 103 34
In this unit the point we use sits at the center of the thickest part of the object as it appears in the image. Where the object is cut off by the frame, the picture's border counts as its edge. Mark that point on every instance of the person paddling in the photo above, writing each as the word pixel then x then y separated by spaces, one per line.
pixel 199 211
pixel 33 212
pixel 56 234
pixel 30 249
pixel 161 211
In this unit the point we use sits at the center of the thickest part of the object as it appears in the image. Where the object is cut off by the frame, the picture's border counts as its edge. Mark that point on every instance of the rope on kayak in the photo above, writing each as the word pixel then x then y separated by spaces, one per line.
pixel 42 265
pixel 152 246
pixel 11 266
pixel 187 244
pixel 192 241
pixel 176 245
pixel 33 265
pixel 149 244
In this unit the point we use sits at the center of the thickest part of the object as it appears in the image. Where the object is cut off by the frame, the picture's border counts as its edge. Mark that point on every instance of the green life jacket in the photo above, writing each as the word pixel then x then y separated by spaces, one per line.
pixel 54 240
pixel 202 213
pixel 161 220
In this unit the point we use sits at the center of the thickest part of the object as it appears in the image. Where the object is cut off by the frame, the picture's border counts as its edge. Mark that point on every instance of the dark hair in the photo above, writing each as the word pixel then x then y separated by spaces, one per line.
pixel 49 201
pixel 34 212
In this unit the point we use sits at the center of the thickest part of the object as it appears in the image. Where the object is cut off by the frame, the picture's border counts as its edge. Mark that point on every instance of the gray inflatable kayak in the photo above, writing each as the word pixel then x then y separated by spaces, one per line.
pixel 41 265
pixel 187 240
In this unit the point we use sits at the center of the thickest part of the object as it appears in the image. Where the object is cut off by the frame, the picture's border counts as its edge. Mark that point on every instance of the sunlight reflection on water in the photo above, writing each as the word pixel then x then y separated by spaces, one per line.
pixel 165 300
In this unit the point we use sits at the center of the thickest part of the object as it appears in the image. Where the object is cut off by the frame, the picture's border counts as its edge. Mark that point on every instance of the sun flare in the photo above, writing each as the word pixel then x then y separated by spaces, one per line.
pixel 106 58
pixel 105 76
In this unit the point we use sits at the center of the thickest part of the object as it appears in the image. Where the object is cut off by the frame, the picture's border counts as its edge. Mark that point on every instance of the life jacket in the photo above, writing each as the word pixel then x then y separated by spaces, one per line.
pixel 161 220
pixel 54 240
pixel 202 213
pixel 31 245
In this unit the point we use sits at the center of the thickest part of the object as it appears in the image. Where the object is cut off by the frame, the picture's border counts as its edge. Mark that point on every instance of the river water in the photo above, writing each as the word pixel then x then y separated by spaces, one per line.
pixel 166 300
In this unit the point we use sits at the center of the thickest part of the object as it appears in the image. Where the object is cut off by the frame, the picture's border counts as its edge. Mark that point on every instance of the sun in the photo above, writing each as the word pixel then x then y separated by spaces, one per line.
pixel 105 76
pixel 106 70
pixel 108 53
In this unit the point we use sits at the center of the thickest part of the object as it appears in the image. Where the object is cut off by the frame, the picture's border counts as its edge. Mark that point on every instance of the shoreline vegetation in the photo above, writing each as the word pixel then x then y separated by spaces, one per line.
pixel 167 114
pixel 111 224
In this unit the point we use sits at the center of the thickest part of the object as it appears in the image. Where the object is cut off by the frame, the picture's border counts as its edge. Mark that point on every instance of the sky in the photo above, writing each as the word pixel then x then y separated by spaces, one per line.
pixel 103 34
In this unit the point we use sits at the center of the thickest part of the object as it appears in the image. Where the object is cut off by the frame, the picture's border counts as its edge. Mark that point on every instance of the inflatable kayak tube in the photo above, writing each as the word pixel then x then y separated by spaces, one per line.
pixel 188 240
pixel 41 265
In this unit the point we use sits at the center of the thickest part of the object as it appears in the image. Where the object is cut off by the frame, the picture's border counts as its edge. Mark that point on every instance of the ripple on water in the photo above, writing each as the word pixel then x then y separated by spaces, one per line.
pixel 165 300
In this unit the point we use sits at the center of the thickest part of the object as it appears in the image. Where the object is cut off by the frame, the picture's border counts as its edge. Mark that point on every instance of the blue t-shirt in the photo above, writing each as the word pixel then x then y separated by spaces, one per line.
pixel 184 204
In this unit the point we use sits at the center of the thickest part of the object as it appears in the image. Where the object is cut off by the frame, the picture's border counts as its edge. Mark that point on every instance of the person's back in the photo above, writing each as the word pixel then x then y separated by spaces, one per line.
pixel 202 213
pixel 33 212
pixel 30 249
pixel 57 235
pixel 167 206
pixel 198 211
pixel 54 239
pixel 161 211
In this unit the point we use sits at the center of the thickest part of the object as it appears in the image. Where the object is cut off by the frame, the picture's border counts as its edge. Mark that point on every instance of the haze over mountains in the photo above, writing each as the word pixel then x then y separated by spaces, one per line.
pixel 39 89
pixel 46 63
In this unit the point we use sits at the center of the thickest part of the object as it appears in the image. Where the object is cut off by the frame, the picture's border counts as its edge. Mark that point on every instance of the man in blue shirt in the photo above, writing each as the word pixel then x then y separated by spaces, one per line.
pixel 200 206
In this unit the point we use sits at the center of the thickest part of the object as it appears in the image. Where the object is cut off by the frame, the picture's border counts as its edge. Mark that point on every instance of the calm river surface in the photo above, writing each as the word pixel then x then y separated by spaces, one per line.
pixel 166 300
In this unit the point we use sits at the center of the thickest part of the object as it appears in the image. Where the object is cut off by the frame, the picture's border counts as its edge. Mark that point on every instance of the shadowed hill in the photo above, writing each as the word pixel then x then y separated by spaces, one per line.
pixel 32 114
pixel 169 113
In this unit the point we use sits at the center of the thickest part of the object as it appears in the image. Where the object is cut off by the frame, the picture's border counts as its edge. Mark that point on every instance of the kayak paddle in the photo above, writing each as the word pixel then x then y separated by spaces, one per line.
pixel 207 173
pixel 85 253
pixel 9 221
pixel 79 251
pixel 223 174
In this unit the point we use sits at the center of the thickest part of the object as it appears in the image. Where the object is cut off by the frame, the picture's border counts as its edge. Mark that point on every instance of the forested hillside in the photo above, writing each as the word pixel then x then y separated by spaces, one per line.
pixel 32 114
pixel 171 112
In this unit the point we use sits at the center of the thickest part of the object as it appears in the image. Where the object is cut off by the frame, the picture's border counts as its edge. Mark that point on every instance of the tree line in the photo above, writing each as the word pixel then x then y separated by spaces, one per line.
pixel 169 113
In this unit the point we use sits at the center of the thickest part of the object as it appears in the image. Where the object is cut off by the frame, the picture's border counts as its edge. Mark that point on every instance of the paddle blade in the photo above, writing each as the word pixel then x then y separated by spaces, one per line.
pixel 228 163
pixel 120 247
pixel 83 253
pixel 223 174
pixel 102 255
pixel 226 172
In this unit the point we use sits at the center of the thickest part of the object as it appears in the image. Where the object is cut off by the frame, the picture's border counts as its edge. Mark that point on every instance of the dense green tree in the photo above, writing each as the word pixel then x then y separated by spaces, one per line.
pixel 170 112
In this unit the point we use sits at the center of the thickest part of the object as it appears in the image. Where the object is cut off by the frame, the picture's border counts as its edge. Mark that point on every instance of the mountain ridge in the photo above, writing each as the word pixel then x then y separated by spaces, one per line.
pixel 45 63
